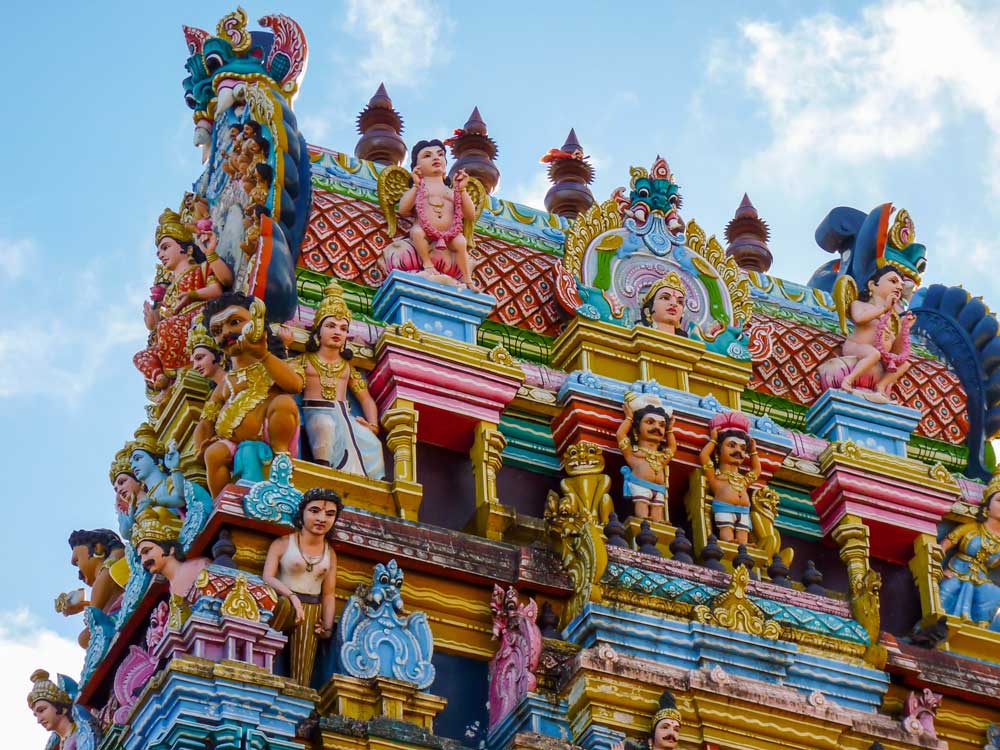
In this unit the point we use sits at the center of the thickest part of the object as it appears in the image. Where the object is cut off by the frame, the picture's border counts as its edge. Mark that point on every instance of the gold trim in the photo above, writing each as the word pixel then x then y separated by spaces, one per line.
pixel 595 221
pixel 737 282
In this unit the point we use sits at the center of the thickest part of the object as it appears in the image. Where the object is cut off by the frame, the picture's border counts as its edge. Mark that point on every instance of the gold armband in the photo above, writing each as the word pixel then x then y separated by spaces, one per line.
pixel 752 476
pixel 357 382
pixel 624 444
pixel 707 466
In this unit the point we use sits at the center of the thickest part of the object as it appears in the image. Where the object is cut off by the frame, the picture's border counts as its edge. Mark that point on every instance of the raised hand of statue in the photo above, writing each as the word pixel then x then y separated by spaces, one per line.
pixel 286 334
pixel 149 315
pixel 172 458
pixel 752 446
pixel 461 179
pixel 628 410
pixel 417 177
pixel 207 241
pixel 714 434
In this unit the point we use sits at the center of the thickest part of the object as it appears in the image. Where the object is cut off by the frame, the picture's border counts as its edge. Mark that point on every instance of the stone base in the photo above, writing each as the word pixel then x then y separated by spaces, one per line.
pixel 380 696
pixel 838 416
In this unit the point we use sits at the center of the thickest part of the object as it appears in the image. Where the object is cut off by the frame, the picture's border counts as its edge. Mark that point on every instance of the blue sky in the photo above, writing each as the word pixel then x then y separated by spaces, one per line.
pixel 803 105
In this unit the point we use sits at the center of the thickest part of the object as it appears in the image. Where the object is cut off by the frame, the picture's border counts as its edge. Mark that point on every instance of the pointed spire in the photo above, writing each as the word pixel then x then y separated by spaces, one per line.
pixel 380 126
pixel 569 173
pixel 474 151
pixel 748 234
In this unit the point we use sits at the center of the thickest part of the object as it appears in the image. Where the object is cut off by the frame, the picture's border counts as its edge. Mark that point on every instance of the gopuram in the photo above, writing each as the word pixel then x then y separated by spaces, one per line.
pixel 426 469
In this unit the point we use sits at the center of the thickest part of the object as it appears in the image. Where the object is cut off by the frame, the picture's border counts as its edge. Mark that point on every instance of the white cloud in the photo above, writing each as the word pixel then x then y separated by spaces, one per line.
pixel 15 256
pixel 27 646
pixel 838 93
pixel 405 38
pixel 531 193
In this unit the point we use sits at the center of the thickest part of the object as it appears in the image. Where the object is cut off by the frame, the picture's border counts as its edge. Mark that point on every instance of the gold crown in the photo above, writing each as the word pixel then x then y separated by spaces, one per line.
pixel 156 525
pixel 121 463
pixel 666 713
pixel 171 225
pixel 332 306
pixel 46 690
pixel 670 280
pixel 146 440
pixel 993 487
pixel 198 336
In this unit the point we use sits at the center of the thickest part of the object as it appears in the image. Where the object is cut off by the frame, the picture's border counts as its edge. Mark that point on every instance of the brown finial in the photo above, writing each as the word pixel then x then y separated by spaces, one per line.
pixel 569 173
pixel 380 126
pixel 748 234
pixel 474 151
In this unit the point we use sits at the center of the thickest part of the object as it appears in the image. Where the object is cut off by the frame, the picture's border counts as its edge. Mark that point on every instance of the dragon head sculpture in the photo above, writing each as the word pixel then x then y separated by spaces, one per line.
pixel 654 197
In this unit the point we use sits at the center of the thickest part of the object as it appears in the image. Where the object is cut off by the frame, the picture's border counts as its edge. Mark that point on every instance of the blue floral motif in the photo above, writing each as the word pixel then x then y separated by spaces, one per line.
pixel 376 640
pixel 199 507
pixel 135 589
pixel 102 633
pixel 275 499
pixel 764 423
pixel 711 403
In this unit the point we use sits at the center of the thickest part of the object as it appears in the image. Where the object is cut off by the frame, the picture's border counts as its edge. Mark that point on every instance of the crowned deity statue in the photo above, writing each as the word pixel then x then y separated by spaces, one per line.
pixel 158 469
pixel 337 438
pixel 207 358
pixel 155 537
pixel 192 278
pixel 255 400
pixel 99 556
pixel 129 491
pixel 969 589
pixel 663 305
pixel 302 568
pixel 665 728
pixel 53 707
pixel 440 206
pixel 647 442
pixel 722 459
pixel 877 352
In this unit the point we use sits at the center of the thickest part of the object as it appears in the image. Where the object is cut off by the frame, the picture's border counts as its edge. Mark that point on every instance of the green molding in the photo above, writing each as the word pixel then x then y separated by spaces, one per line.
pixel 786 413
pixel 529 444
pixel 953 457
pixel 520 342
pixel 796 513
pixel 310 286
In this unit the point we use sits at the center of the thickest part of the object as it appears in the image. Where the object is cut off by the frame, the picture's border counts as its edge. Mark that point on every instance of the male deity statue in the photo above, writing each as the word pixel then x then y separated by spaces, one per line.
pixel 646 439
pixel 129 491
pixel 55 711
pixel 722 458
pixel 254 401
pixel 207 359
pixel 337 439
pixel 663 305
pixel 155 538
pixel 192 278
pixel 877 352
pixel 302 568
pixel 99 555
pixel 665 730
pixel 439 206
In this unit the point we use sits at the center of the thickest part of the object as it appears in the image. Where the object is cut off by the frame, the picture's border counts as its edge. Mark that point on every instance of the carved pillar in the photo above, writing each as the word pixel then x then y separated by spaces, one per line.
pixel 492 517
pixel 400 425
pixel 927 571
pixel 851 537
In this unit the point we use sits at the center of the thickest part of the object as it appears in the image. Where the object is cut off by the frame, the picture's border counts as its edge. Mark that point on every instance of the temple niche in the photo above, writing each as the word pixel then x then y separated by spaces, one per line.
pixel 422 467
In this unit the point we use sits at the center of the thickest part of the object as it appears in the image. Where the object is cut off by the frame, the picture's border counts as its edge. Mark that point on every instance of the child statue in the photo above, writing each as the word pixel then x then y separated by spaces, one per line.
pixel 439 207
pixel 968 591
pixel 663 305
pixel 646 439
pixel 337 439
pixel 254 402
pixel 876 353
pixel 302 568
pixel 193 279
pixel 727 450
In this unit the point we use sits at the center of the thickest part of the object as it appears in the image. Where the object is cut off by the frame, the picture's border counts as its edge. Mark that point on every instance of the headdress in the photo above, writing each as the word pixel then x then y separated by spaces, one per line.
pixel 156 525
pixel 641 400
pixel 172 226
pixel 198 336
pixel 993 487
pixel 332 306
pixel 146 440
pixel 667 710
pixel 730 420
pixel 121 463
pixel 670 280
pixel 46 690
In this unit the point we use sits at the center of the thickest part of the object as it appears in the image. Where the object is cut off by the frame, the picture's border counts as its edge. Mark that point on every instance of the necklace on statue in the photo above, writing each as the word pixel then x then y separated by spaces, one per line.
pixel 311 562
pixel 329 375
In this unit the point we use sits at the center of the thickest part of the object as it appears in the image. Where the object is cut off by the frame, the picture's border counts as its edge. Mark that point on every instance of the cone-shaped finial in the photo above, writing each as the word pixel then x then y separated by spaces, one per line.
pixel 569 173
pixel 748 234
pixel 380 126
pixel 474 151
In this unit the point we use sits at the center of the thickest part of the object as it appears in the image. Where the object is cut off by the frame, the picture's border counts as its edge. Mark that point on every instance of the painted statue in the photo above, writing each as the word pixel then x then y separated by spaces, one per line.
pixel 155 536
pixel 207 359
pixel 919 711
pixel 337 438
pixel 374 637
pixel 663 305
pixel 647 442
pixel 512 666
pixel 302 568
pixel 193 279
pixel 54 707
pixel 129 491
pixel 877 352
pixel 254 403
pixel 970 587
pixel 722 459
pixel 445 213
pixel 665 729
pixel 99 555
pixel 241 85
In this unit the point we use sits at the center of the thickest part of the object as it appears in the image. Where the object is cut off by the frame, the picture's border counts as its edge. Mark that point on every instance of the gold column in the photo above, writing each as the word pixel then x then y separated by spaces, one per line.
pixel 926 569
pixel 400 425
pixel 493 518
pixel 851 537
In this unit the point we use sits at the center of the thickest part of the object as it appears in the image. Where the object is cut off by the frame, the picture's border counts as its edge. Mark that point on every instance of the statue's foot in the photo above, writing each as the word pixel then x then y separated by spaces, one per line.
pixel 876 397
pixel 845 386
